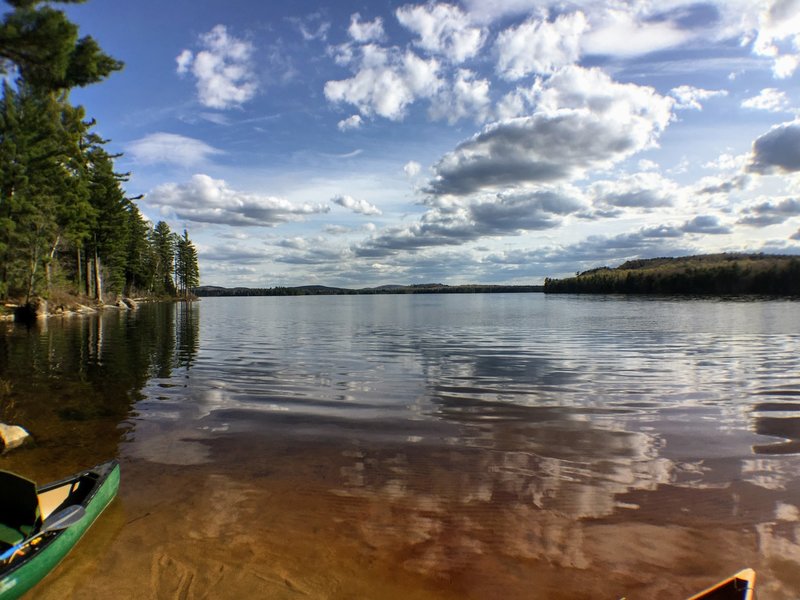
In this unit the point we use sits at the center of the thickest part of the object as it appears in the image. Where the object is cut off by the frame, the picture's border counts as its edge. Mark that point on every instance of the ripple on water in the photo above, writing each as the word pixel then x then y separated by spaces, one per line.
pixel 436 447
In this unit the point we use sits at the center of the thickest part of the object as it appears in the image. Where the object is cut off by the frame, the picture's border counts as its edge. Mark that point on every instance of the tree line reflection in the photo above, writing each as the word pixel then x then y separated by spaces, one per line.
pixel 72 381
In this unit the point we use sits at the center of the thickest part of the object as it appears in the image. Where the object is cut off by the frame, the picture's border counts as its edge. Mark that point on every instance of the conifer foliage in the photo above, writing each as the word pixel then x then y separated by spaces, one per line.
pixel 65 221
pixel 42 46
pixel 187 274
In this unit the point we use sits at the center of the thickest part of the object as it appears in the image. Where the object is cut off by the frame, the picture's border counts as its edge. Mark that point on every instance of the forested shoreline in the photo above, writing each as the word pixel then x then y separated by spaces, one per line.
pixel 67 227
pixel 712 274
pixel 321 290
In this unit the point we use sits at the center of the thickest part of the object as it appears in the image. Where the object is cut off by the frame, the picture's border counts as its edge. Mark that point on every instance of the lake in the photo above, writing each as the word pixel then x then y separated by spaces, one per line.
pixel 421 446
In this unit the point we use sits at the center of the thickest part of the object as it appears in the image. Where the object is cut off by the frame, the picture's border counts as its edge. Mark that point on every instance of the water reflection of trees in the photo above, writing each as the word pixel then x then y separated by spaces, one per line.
pixel 187 333
pixel 72 381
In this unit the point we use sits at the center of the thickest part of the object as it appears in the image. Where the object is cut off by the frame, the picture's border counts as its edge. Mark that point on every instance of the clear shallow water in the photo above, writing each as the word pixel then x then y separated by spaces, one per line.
pixel 431 446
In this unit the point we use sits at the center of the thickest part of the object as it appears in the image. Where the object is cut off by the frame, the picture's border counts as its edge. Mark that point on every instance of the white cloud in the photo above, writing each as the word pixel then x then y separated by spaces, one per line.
pixel 488 11
pixel 728 162
pixel 770 99
pixel 236 253
pixel 766 212
pixel 777 151
pixel 706 225
pixel 622 33
pixel 412 168
pixel 627 29
pixel 539 46
pixel 365 31
pixel 524 210
pixel 422 75
pixel 216 118
pixel 648 165
pixel 386 82
pixel 785 65
pixel 352 122
pixel 336 229
pixel 443 29
pixel 309 34
pixel 456 222
pixel 722 185
pixel 184 60
pixel 518 102
pixel 295 243
pixel 468 97
pixel 689 97
pixel 779 25
pixel 646 190
pixel 584 120
pixel 359 206
pixel 223 69
pixel 206 200
pixel 170 148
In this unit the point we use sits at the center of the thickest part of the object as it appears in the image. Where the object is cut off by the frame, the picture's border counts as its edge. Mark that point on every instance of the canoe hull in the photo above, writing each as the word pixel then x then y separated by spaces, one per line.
pixel 737 587
pixel 20 578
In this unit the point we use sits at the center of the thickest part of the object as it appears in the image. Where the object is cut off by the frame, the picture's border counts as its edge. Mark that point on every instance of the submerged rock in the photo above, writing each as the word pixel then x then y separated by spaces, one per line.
pixel 12 436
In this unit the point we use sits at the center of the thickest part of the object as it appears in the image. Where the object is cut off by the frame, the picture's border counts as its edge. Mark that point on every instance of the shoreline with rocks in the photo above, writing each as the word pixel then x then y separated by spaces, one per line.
pixel 42 309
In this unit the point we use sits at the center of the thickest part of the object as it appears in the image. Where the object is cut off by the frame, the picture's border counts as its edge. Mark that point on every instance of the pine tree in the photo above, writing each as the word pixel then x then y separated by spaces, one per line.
pixel 109 235
pixel 10 174
pixel 186 269
pixel 42 46
pixel 43 193
pixel 44 185
pixel 64 216
pixel 139 262
pixel 163 247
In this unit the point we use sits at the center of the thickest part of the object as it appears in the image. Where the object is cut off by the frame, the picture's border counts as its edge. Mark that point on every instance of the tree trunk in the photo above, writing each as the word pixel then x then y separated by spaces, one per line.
pixel 89 278
pixel 98 279
pixel 34 262
pixel 80 269
pixel 49 267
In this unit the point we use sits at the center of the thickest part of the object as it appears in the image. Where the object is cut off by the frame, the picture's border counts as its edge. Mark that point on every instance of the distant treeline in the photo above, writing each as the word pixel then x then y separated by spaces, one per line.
pixel 319 290
pixel 713 274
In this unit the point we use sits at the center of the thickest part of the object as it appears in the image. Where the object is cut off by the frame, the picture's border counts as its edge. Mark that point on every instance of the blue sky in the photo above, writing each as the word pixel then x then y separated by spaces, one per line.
pixel 494 141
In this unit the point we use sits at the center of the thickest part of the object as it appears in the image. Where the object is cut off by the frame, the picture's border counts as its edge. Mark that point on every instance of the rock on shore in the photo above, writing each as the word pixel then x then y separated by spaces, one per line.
pixel 38 309
pixel 12 436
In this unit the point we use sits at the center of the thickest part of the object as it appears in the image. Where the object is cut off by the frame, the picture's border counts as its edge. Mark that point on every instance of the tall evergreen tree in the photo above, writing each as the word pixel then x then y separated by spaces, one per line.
pixel 42 45
pixel 186 268
pixel 140 255
pixel 43 180
pixel 64 216
pixel 10 174
pixel 43 190
pixel 107 246
pixel 163 246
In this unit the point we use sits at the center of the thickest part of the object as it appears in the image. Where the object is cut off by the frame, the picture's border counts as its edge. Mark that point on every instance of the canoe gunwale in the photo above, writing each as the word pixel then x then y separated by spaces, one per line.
pixel 21 575
pixel 740 586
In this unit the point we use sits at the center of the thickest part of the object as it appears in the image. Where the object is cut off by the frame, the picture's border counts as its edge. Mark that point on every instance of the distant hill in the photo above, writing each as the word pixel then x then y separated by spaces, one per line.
pixel 707 274
pixel 319 290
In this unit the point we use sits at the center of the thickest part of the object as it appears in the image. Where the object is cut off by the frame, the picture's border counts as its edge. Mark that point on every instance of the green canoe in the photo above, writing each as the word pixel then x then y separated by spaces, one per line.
pixel 38 527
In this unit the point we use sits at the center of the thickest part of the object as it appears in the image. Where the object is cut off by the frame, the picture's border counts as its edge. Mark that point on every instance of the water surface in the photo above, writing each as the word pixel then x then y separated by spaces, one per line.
pixel 430 446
